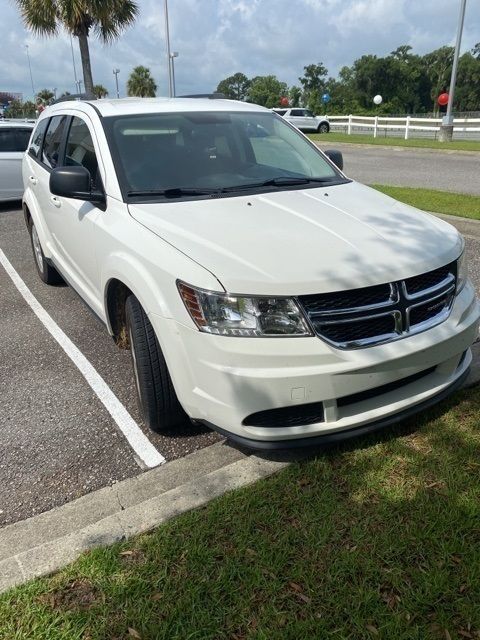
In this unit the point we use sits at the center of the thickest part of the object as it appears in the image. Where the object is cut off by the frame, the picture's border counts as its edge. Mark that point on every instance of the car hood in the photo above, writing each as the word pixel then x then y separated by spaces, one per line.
pixel 304 241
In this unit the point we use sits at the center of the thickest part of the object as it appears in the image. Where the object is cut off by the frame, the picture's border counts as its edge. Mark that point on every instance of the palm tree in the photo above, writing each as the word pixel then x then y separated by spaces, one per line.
pixel 140 83
pixel 99 91
pixel 45 95
pixel 107 19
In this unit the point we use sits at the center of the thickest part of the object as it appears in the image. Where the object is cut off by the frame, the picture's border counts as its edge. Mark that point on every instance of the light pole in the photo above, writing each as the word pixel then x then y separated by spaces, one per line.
pixel 169 55
pixel 30 68
pixel 73 61
pixel 446 130
pixel 115 73
pixel 173 55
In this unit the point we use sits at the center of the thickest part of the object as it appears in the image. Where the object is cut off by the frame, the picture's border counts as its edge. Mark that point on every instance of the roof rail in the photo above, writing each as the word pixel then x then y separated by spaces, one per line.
pixel 211 96
pixel 74 96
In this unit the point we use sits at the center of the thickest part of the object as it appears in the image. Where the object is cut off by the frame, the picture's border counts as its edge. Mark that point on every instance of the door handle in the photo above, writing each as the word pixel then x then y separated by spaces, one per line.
pixel 33 180
pixel 56 201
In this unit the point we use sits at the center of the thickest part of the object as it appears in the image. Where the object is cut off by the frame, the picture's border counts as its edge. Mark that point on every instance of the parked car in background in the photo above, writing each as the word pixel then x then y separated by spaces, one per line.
pixel 14 137
pixel 261 291
pixel 304 119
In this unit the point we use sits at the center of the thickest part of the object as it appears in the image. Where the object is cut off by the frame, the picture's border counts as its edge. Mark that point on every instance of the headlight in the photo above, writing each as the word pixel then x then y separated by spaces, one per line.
pixel 226 315
pixel 462 271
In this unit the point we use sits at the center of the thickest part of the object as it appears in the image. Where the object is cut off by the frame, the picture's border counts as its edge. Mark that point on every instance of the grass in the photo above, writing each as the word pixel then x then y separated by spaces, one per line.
pixel 456 204
pixel 377 539
pixel 455 145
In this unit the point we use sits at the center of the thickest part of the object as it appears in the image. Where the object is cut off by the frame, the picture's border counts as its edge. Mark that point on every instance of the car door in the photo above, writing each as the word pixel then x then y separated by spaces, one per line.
pixel 13 143
pixel 310 121
pixel 295 117
pixel 73 221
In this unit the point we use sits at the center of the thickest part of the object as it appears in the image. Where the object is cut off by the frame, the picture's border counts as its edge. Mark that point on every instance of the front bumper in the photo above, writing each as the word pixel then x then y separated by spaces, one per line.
pixel 221 381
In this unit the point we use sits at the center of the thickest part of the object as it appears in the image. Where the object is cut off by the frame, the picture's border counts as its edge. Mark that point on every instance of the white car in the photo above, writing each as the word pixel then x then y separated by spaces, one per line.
pixel 304 119
pixel 261 291
pixel 14 137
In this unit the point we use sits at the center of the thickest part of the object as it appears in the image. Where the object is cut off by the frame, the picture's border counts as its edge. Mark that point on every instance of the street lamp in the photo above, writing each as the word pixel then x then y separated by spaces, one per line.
pixel 30 68
pixel 173 55
pixel 446 129
pixel 169 55
pixel 74 66
pixel 115 73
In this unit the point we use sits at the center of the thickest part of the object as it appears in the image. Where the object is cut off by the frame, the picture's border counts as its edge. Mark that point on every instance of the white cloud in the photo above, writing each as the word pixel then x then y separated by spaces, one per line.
pixel 216 38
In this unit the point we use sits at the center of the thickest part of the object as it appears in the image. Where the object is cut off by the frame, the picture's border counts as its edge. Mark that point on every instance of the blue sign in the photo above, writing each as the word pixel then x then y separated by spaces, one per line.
pixel 326 98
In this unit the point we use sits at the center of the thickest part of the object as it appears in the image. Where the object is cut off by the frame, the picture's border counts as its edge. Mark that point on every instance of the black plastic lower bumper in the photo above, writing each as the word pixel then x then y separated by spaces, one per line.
pixel 339 436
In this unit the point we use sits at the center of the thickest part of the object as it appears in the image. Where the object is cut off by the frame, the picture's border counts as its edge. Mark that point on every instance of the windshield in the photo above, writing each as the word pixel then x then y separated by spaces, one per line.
pixel 188 155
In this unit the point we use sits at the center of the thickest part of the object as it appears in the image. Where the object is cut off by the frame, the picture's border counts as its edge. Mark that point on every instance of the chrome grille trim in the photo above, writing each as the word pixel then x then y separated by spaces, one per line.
pixel 450 279
pixel 330 323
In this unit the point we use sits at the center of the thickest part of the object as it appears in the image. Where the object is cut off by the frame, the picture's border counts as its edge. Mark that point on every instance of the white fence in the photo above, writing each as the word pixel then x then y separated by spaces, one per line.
pixel 407 125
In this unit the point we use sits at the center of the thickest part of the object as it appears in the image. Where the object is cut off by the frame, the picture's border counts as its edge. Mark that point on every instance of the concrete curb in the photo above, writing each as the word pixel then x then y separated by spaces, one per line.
pixel 47 542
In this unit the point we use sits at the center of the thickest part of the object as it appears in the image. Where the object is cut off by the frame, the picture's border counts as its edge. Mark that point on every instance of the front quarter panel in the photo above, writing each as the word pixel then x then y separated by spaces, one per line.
pixel 146 264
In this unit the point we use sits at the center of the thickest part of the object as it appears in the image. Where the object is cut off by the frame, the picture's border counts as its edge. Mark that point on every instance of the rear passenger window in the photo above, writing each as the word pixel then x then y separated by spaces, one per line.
pixel 36 144
pixel 22 136
pixel 80 150
pixel 297 112
pixel 7 140
pixel 14 139
pixel 53 140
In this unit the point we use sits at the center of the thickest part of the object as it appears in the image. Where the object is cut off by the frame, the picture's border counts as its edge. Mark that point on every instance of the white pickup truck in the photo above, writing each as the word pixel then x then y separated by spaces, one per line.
pixel 304 119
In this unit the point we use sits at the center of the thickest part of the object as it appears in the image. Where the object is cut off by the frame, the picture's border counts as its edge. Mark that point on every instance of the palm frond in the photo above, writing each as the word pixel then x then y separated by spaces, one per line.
pixel 112 17
pixel 39 16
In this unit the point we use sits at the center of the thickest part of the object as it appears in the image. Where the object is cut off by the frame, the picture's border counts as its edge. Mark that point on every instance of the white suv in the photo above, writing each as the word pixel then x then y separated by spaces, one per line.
pixel 304 119
pixel 261 291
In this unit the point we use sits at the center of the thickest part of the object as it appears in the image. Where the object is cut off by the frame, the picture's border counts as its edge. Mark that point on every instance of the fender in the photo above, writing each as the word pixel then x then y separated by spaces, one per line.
pixel 30 202
pixel 150 284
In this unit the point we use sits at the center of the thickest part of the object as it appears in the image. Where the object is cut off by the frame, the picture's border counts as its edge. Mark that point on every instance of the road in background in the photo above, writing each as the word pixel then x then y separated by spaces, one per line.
pixel 408 167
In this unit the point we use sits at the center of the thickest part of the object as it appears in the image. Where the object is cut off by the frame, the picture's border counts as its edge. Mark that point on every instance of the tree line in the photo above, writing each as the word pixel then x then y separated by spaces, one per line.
pixel 408 83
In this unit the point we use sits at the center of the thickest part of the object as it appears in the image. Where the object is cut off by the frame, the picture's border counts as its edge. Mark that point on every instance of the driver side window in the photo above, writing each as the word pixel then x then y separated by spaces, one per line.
pixel 80 151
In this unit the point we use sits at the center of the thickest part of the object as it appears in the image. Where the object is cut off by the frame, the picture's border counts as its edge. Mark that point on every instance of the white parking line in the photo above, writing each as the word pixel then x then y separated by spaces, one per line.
pixel 146 453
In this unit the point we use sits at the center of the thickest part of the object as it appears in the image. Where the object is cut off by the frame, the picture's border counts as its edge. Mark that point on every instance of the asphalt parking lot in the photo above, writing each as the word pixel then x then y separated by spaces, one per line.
pixel 57 439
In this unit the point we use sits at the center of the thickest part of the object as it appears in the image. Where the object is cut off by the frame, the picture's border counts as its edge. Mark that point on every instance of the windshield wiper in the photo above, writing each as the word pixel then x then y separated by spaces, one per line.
pixel 285 181
pixel 174 192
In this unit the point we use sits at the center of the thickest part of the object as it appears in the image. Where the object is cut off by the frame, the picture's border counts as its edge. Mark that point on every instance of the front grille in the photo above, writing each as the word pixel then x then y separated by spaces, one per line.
pixel 427 280
pixel 428 311
pixel 358 330
pixel 342 300
pixel 294 416
pixel 382 313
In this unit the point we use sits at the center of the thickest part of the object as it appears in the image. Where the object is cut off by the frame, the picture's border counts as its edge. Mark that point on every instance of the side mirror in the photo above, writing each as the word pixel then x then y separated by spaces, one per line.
pixel 74 182
pixel 336 157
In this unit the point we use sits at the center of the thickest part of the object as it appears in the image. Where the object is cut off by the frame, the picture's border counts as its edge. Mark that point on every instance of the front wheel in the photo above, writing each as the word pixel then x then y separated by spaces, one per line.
pixel 47 273
pixel 156 396
pixel 323 127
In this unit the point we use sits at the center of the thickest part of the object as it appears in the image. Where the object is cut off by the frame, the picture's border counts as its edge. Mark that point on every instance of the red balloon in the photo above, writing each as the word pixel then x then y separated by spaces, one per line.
pixel 443 99
pixel 284 101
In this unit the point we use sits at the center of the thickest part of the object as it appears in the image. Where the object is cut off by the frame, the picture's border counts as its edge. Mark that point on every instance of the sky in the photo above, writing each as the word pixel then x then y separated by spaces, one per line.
pixel 216 38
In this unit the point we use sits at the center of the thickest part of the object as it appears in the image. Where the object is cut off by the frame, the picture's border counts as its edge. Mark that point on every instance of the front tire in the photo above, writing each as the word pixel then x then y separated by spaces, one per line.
pixel 47 273
pixel 157 399
pixel 323 127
